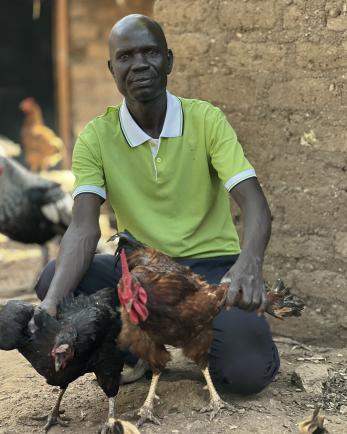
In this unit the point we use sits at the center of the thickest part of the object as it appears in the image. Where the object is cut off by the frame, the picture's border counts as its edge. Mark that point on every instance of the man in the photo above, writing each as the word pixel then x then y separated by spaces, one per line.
pixel 167 164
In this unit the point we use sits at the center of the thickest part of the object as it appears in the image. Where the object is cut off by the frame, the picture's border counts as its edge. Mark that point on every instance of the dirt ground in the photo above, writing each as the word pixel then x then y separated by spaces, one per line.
pixel 277 410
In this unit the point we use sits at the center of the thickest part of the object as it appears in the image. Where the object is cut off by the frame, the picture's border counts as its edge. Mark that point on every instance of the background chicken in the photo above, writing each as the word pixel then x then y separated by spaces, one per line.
pixel 164 303
pixel 33 209
pixel 81 339
pixel 43 148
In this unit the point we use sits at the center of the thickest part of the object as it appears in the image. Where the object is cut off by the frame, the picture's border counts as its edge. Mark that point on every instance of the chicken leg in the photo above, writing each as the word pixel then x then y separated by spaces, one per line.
pixel 109 426
pixel 216 402
pixel 145 411
pixel 54 417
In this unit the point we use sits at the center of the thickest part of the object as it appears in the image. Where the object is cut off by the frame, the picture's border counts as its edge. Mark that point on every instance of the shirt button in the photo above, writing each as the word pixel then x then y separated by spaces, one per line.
pixel 158 160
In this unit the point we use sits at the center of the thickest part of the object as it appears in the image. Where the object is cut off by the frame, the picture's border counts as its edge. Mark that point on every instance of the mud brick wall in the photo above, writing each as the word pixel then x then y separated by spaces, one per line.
pixel 92 86
pixel 278 70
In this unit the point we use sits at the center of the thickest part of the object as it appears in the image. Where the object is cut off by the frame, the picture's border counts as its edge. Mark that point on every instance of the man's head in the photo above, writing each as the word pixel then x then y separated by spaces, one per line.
pixel 139 58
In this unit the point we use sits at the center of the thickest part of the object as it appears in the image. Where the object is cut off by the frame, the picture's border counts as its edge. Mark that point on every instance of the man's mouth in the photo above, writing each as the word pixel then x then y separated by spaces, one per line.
pixel 143 81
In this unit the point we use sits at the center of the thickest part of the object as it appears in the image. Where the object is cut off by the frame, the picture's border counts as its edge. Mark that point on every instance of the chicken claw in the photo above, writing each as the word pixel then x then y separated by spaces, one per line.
pixel 146 415
pixel 216 403
pixel 215 407
pixel 109 427
pixel 146 411
pixel 54 417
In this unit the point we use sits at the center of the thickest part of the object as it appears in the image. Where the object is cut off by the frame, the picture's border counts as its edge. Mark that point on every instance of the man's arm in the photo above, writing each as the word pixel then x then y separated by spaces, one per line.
pixel 247 274
pixel 76 250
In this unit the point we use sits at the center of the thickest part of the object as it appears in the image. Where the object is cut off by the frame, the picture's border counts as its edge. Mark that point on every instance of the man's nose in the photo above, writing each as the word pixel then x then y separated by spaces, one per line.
pixel 140 62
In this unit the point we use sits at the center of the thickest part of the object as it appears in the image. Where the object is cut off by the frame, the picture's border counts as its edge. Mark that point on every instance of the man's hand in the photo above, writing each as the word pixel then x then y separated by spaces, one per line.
pixel 246 277
pixel 49 306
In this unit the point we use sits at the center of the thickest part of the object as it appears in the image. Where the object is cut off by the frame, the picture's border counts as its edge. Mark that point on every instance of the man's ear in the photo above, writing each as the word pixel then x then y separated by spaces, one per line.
pixel 110 66
pixel 170 59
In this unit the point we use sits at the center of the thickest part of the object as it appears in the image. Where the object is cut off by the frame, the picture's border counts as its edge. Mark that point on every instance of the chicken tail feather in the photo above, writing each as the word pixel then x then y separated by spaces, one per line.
pixel 282 303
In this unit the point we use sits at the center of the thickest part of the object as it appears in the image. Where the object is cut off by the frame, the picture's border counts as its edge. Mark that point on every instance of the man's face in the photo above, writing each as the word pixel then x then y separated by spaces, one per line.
pixel 140 63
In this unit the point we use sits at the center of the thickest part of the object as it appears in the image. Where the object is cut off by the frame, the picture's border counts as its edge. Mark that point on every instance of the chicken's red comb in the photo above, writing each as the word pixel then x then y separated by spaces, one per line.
pixel 27 103
pixel 125 291
pixel 125 269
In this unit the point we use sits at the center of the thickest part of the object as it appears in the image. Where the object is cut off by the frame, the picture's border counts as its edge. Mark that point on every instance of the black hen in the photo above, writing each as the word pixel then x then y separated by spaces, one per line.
pixel 81 339
pixel 33 209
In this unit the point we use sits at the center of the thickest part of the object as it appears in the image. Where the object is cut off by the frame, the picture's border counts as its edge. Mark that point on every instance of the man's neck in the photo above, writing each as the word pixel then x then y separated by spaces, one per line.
pixel 149 115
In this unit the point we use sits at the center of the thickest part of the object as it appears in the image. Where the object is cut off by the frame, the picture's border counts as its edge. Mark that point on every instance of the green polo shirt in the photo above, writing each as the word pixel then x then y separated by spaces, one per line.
pixel 171 194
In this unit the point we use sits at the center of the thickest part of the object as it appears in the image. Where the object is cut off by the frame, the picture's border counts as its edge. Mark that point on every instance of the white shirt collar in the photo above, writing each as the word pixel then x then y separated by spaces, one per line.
pixel 173 124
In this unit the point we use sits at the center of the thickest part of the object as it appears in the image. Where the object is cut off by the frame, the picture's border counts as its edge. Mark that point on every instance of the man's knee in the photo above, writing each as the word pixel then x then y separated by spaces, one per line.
pixel 246 377
pixel 44 280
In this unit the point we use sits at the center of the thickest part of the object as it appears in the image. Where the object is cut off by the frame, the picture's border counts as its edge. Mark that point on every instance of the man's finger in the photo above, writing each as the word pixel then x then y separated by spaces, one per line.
pixel 257 299
pixel 225 279
pixel 246 299
pixel 263 304
pixel 231 296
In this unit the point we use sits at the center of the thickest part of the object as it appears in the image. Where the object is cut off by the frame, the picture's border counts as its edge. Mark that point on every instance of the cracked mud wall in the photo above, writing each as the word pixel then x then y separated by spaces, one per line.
pixel 278 70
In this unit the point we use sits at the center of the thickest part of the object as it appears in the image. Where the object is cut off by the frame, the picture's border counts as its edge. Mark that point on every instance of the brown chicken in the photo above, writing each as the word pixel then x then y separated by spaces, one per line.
pixel 43 148
pixel 164 303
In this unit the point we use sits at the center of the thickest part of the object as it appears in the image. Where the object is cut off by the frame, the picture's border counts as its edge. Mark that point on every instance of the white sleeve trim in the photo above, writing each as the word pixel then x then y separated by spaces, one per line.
pixel 234 180
pixel 89 189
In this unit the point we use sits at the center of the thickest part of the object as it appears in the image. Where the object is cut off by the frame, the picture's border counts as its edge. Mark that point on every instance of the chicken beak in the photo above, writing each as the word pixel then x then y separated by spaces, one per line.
pixel 129 305
pixel 57 364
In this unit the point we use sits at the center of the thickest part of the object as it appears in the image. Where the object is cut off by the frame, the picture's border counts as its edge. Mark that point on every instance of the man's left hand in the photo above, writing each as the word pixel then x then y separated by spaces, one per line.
pixel 246 277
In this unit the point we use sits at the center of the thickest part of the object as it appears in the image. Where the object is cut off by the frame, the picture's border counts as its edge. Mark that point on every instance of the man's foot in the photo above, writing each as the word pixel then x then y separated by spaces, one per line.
pixel 132 374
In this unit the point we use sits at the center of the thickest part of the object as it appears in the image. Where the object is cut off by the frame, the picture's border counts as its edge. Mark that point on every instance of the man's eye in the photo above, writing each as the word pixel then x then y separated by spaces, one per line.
pixel 152 51
pixel 123 57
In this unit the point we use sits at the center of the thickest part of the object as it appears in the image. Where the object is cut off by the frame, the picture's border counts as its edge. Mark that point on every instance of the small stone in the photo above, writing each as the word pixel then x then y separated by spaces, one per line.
pixel 334 12
pixel 338 24
pixel 343 409
pixel 310 377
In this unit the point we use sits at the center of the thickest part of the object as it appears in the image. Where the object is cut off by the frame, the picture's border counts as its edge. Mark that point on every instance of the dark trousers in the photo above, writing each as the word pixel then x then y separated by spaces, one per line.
pixel 242 356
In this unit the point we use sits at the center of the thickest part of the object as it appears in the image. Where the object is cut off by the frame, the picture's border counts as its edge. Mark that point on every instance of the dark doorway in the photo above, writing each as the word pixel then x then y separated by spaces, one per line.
pixel 26 62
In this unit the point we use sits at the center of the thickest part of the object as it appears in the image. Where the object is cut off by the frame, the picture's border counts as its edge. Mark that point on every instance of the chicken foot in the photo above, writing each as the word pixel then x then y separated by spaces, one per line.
pixel 216 403
pixel 54 417
pixel 109 426
pixel 146 411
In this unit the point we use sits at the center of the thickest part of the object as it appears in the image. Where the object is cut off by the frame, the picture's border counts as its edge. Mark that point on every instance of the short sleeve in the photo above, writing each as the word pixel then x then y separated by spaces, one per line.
pixel 87 164
pixel 226 153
